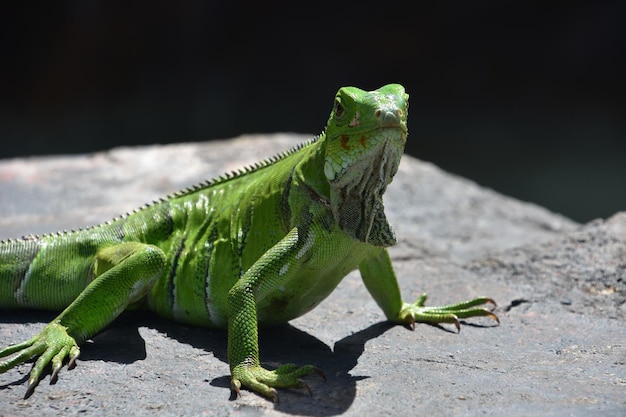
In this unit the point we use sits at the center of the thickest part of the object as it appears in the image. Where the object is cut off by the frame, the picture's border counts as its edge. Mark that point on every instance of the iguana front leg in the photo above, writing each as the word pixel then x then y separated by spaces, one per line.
pixel 380 279
pixel 263 277
pixel 123 274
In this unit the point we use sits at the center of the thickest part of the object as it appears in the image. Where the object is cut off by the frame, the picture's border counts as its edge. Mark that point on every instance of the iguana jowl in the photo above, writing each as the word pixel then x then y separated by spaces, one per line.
pixel 258 247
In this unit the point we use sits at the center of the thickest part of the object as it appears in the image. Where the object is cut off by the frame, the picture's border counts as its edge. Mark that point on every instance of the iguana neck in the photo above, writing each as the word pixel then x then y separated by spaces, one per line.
pixel 357 205
pixel 310 173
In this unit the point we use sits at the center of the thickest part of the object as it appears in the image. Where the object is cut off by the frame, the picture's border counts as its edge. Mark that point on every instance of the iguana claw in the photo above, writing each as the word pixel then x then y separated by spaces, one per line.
pixel 32 383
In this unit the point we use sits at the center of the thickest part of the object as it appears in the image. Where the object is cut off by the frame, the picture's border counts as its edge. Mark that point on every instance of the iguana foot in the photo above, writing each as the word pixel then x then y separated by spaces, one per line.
pixel 417 312
pixel 264 381
pixel 52 345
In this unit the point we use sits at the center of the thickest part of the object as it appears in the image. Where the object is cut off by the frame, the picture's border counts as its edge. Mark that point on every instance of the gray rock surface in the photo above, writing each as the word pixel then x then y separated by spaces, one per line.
pixel 561 288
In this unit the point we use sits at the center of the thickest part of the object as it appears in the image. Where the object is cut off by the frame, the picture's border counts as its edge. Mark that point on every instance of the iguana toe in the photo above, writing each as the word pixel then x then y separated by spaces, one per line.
pixel 418 312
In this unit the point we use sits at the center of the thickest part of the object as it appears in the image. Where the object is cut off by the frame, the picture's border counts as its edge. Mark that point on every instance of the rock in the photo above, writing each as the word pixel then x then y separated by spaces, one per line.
pixel 560 286
pixel 584 271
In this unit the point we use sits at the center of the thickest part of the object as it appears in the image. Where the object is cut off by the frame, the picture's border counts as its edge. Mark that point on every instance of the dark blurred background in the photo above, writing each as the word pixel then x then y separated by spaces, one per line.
pixel 527 98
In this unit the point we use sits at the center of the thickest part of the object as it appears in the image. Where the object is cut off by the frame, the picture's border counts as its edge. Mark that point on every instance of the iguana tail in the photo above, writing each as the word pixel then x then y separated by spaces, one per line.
pixel 45 272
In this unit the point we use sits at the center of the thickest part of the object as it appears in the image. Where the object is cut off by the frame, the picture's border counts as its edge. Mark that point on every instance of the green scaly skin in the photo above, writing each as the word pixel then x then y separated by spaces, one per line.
pixel 258 247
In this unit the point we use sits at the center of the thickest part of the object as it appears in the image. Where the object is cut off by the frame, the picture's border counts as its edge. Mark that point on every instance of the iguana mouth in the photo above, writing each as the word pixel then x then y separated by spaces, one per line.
pixel 357 195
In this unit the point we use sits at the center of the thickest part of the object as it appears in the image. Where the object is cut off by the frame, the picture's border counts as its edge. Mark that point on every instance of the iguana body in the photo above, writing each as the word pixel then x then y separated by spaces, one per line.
pixel 258 247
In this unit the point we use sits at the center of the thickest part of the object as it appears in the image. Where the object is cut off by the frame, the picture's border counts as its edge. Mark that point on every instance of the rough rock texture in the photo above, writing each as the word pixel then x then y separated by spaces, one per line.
pixel 561 288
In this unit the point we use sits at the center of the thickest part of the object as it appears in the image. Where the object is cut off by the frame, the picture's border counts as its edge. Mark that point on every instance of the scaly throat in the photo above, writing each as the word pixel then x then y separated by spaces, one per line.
pixel 357 198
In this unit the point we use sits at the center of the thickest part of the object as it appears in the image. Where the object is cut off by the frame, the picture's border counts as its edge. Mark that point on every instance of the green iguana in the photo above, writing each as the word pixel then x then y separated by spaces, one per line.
pixel 258 247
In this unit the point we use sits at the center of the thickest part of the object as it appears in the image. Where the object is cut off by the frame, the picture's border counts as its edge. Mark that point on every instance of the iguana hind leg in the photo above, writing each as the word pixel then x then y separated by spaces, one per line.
pixel 123 274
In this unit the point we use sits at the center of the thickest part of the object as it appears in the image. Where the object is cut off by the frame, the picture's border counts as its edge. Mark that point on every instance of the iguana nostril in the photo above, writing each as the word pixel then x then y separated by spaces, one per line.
pixel 390 118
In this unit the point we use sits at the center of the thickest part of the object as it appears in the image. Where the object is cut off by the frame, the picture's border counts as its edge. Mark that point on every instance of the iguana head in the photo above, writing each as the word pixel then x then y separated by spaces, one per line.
pixel 365 138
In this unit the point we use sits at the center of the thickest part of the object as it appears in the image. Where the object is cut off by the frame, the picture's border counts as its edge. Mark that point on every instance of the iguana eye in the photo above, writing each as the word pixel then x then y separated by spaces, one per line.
pixel 338 108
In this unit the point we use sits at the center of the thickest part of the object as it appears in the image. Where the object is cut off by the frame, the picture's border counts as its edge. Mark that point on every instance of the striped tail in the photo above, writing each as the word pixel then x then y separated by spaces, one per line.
pixel 45 272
